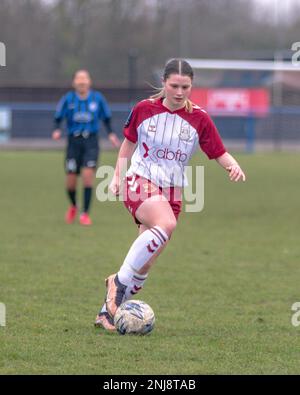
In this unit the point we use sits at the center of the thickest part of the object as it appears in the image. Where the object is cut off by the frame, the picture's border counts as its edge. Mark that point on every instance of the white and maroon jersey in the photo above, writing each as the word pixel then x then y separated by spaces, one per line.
pixel 167 140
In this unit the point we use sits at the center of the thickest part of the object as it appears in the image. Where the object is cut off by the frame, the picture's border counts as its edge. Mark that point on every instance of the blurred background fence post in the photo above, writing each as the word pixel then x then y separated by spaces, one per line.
pixel 250 133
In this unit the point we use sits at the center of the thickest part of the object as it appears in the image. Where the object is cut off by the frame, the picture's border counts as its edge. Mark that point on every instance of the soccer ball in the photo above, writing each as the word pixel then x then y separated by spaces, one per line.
pixel 134 317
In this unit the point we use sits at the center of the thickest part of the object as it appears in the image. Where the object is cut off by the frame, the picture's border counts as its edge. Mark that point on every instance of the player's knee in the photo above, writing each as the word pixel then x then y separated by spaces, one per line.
pixel 169 226
pixel 88 177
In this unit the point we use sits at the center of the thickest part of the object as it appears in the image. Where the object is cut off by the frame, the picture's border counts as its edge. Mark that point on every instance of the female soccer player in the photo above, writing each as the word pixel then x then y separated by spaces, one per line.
pixel 161 135
pixel 82 109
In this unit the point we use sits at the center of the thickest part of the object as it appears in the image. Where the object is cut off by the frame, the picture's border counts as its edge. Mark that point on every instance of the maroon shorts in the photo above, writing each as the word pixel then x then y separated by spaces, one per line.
pixel 137 189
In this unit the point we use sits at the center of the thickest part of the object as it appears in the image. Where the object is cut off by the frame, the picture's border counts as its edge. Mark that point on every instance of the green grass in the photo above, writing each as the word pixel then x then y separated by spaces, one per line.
pixel 222 291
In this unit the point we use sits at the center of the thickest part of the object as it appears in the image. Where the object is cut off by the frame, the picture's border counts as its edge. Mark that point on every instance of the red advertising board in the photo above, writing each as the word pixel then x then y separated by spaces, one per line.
pixel 232 101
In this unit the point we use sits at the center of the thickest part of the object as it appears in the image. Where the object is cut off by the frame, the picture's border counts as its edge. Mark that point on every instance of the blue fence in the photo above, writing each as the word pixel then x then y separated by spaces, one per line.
pixel 279 128
pixel 35 120
pixel 281 125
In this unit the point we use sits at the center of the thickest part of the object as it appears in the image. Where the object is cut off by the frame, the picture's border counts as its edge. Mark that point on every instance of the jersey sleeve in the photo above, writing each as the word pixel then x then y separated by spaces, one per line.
pixel 130 127
pixel 210 140
pixel 61 110
pixel 104 110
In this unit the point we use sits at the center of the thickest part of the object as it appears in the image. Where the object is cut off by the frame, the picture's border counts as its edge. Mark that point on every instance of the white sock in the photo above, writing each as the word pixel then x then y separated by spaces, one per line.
pixel 141 251
pixel 137 283
pixel 139 254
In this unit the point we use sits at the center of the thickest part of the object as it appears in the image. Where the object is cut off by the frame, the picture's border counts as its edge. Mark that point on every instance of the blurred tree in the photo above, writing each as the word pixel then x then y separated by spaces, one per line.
pixel 47 41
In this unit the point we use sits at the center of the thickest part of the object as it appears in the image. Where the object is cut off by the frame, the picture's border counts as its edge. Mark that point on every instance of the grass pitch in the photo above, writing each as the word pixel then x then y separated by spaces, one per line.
pixel 222 291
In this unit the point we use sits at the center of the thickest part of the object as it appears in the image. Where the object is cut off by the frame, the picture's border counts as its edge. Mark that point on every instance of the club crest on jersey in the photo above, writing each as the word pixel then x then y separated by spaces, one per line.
pixel 152 128
pixel 184 133
pixel 93 106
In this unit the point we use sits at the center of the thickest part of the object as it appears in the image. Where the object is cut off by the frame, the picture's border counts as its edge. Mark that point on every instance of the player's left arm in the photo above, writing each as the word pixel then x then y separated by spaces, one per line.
pixel 113 138
pixel 230 164
pixel 211 143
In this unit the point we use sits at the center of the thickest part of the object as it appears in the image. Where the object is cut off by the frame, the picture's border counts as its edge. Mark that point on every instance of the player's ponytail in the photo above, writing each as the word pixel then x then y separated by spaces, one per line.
pixel 176 66
pixel 159 95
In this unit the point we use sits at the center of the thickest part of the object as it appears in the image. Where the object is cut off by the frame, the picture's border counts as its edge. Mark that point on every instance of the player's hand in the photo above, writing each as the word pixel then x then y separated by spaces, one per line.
pixel 114 186
pixel 56 134
pixel 113 138
pixel 236 173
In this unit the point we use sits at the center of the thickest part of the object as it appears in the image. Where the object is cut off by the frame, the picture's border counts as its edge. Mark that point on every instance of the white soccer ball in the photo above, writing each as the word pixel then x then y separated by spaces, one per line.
pixel 134 317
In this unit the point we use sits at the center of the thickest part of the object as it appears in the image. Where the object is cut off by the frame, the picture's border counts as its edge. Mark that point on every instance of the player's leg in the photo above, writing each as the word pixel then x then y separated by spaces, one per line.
pixel 138 279
pixel 156 214
pixel 88 175
pixel 103 319
pixel 116 291
pixel 90 159
pixel 71 184
pixel 72 171
pixel 174 197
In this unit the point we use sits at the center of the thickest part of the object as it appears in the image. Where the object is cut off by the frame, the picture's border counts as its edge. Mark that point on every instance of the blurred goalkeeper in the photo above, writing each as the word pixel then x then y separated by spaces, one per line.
pixel 82 108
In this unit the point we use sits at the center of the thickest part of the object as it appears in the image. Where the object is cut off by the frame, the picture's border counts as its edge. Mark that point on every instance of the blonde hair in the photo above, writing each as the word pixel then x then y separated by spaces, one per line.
pixel 176 66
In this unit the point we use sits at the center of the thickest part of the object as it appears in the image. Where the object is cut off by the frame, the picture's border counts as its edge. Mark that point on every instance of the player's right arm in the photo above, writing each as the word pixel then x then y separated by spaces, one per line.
pixel 59 115
pixel 126 151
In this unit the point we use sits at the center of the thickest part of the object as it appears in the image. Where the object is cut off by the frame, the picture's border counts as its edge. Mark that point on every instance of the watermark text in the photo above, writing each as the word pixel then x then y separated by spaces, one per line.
pixel 189 187
pixel 2 314
pixel 296 316
pixel 296 56
pixel 2 54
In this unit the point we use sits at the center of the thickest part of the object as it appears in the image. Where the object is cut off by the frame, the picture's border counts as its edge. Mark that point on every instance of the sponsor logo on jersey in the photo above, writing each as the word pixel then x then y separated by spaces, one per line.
pixel 149 152
pixel 82 117
pixel 146 148
pixel 93 106
pixel 168 154
pixel 164 153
